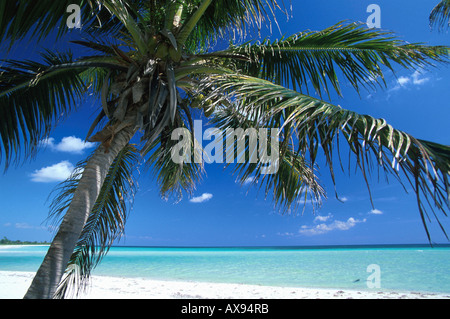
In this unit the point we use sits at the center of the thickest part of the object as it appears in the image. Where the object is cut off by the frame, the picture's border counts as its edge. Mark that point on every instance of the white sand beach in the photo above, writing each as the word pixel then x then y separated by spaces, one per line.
pixel 13 285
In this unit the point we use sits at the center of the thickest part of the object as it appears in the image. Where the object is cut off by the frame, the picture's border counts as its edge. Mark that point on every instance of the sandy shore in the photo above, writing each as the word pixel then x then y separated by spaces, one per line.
pixel 13 285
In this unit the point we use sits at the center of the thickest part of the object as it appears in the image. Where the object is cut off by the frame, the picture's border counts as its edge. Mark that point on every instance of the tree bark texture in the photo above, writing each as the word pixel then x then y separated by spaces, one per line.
pixel 52 269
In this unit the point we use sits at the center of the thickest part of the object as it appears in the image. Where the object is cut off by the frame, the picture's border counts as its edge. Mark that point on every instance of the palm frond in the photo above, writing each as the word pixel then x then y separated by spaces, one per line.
pixel 32 97
pixel 174 178
pixel 288 178
pixel 40 18
pixel 35 95
pixel 321 58
pixel 106 222
pixel 240 15
pixel 312 124
pixel 440 15
pixel 131 20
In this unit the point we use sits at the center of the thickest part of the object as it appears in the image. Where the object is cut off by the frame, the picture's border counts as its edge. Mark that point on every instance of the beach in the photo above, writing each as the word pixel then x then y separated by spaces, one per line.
pixel 247 273
pixel 13 285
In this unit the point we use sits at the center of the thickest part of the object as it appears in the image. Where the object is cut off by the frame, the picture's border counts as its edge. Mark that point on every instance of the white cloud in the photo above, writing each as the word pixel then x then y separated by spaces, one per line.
pixel 403 80
pixel 325 228
pixel 55 173
pixel 303 202
pixel 376 212
pixel 28 226
pixel 287 234
pixel 322 218
pixel 48 142
pixel 248 180
pixel 69 144
pixel 415 79
pixel 23 226
pixel 200 199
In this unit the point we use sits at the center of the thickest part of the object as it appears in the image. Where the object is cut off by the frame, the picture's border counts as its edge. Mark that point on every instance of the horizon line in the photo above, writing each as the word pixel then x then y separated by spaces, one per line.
pixel 295 246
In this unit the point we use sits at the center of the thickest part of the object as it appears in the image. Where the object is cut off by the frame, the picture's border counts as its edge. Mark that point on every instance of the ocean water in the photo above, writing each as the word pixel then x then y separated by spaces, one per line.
pixel 416 268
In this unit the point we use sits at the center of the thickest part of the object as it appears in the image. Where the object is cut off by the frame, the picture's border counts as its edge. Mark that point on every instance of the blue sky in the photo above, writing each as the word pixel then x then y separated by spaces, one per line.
pixel 221 212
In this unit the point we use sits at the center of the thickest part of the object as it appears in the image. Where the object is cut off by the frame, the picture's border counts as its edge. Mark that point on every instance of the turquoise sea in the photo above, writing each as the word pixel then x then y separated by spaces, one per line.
pixel 411 268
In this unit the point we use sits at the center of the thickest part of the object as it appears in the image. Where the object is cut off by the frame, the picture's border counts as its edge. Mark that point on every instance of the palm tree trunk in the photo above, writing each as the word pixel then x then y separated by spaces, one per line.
pixel 55 262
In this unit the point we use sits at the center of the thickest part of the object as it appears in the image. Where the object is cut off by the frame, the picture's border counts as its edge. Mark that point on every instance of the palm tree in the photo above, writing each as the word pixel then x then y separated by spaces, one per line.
pixel 440 15
pixel 152 62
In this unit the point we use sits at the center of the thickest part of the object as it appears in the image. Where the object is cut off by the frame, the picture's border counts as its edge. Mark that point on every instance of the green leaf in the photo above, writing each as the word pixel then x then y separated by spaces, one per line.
pixel 216 23
pixel 106 222
pixel 293 180
pixel 440 15
pixel 173 178
pixel 321 58
pixel 40 18
pixel 311 122
pixel 33 96
pixel 121 10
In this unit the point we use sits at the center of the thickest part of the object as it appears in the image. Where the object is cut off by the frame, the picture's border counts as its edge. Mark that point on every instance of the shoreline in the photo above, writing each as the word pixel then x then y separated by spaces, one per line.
pixel 23 245
pixel 294 247
pixel 14 285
